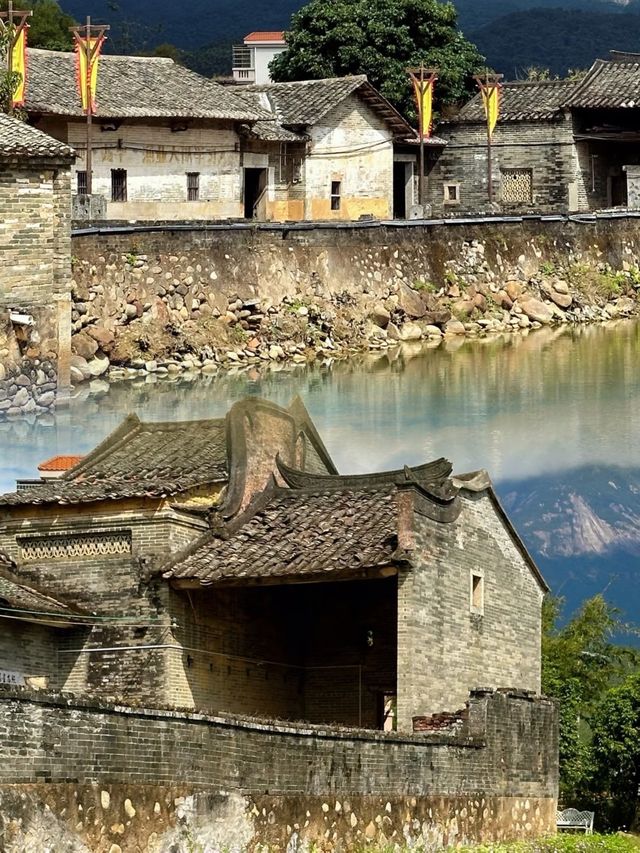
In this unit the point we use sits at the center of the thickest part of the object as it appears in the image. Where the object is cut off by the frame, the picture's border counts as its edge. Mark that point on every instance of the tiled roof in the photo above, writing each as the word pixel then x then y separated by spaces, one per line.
pixel 18 596
pixel 307 102
pixel 137 460
pixel 523 100
pixel 260 35
pixel 320 525
pixel 18 139
pixel 59 463
pixel 131 87
pixel 271 131
pixel 321 533
pixel 609 85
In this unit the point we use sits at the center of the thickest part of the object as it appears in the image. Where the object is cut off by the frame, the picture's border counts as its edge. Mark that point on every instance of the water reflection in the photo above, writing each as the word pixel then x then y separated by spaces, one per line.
pixel 550 400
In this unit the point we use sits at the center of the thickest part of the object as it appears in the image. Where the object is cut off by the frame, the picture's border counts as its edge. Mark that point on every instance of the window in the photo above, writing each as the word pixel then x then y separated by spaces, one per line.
pixel 452 193
pixel 477 592
pixel 193 186
pixel 118 185
pixel 81 178
pixel 335 195
pixel 517 186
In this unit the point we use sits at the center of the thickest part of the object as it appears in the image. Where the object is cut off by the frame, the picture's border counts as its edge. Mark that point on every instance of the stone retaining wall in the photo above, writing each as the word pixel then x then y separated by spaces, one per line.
pixel 28 365
pixel 108 778
pixel 169 298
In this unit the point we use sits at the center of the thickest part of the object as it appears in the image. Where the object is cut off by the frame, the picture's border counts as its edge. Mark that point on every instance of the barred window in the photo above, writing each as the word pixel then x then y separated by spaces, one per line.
pixel 452 193
pixel 193 186
pixel 517 186
pixel 81 178
pixel 336 189
pixel 118 185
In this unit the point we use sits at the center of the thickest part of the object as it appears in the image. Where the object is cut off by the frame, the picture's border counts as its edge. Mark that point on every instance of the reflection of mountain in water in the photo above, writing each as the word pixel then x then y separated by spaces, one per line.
pixel 583 527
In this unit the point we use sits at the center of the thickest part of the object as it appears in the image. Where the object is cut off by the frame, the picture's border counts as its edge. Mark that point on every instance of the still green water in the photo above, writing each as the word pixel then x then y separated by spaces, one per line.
pixel 552 416
pixel 518 406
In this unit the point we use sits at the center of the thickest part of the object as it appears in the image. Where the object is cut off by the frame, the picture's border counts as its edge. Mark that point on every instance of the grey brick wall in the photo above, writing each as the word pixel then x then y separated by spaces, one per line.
pixel 445 648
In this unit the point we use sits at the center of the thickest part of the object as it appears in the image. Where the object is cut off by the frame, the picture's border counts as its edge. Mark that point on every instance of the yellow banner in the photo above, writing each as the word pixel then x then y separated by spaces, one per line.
pixel 423 90
pixel 19 66
pixel 491 100
pixel 87 72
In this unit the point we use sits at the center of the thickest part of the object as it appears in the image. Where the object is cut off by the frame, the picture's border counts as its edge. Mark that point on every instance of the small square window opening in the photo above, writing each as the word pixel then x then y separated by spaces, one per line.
pixel 477 593
pixel 118 185
pixel 336 187
pixel 193 186
pixel 452 193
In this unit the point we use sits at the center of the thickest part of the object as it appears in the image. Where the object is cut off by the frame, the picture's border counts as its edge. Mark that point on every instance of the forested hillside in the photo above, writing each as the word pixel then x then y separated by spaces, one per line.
pixel 513 34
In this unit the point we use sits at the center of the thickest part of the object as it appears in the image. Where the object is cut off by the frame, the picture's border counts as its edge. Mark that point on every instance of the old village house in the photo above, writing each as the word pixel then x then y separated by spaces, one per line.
pixel 225 565
pixel 170 144
pixel 559 146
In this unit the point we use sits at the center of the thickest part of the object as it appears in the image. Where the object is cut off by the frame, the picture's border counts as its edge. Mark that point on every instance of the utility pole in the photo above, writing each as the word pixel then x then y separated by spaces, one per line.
pixel 490 90
pixel 89 40
pixel 423 89
pixel 13 22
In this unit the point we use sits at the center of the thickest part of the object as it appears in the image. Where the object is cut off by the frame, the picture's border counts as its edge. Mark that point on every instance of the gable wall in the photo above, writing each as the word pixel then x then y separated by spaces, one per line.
pixel 354 146
pixel 444 649
pixel 546 148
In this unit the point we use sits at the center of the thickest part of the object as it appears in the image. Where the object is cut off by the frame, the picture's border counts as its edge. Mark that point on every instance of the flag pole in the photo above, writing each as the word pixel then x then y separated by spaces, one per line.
pixel 90 42
pixel 10 54
pixel 490 83
pixel 87 89
pixel 418 77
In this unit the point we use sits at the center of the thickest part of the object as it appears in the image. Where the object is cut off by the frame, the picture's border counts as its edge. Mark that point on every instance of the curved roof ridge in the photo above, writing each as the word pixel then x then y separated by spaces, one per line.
pixel 430 472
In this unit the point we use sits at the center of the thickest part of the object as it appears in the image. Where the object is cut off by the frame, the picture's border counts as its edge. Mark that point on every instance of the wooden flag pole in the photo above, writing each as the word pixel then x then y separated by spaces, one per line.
pixel 420 80
pixel 486 86
pixel 7 23
pixel 84 36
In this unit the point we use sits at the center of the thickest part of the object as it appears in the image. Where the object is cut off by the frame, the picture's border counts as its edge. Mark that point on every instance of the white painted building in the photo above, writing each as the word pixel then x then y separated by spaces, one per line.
pixel 251 59
pixel 166 141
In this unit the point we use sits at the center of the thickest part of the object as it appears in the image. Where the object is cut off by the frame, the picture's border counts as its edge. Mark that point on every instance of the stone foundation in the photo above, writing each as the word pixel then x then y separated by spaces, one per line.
pixel 93 777
pixel 168 297
pixel 28 365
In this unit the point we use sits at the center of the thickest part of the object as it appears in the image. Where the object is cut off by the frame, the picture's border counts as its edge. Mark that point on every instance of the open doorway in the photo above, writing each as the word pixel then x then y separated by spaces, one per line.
pixel 255 191
pixel 402 175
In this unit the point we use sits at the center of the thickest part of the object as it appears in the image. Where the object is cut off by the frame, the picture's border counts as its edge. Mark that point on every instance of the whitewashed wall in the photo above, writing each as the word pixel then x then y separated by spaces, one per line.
pixel 157 161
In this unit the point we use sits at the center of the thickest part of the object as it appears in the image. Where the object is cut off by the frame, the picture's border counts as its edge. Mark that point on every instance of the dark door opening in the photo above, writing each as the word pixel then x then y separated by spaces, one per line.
pixel 255 184
pixel 619 189
pixel 400 190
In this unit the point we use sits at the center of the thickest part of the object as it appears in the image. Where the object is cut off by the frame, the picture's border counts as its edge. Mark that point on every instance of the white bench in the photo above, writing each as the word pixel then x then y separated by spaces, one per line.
pixel 572 819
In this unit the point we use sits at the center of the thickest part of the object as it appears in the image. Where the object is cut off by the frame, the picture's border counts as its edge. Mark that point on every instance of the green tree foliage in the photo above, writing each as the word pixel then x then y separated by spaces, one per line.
pixel 616 752
pixel 48 26
pixel 579 663
pixel 380 38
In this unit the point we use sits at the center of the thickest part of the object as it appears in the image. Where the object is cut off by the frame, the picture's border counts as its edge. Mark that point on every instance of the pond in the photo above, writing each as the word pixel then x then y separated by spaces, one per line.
pixel 551 415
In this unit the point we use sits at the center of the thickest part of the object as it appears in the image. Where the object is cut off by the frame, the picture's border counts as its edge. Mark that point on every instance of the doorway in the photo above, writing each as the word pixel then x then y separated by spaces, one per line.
pixel 402 175
pixel 618 188
pixel 255 192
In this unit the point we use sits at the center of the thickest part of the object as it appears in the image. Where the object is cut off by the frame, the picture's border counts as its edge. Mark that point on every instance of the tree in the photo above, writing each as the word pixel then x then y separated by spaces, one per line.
pixel 48 26
pixel 616 752
pixel 380 38
pixel 580 661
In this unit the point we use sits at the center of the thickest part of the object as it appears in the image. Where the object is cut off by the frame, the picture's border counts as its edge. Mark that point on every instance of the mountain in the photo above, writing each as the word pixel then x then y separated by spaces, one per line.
pixel 583 528
pixel 513 34
pixel 557 39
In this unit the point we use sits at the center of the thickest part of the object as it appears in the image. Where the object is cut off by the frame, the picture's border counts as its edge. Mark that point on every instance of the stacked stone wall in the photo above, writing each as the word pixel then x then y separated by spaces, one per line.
pixel 136 779
pixel 205 297
pixel 35 229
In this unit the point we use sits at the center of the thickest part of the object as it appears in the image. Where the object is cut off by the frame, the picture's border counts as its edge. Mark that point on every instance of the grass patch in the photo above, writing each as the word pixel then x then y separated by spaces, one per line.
pixel 565 842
